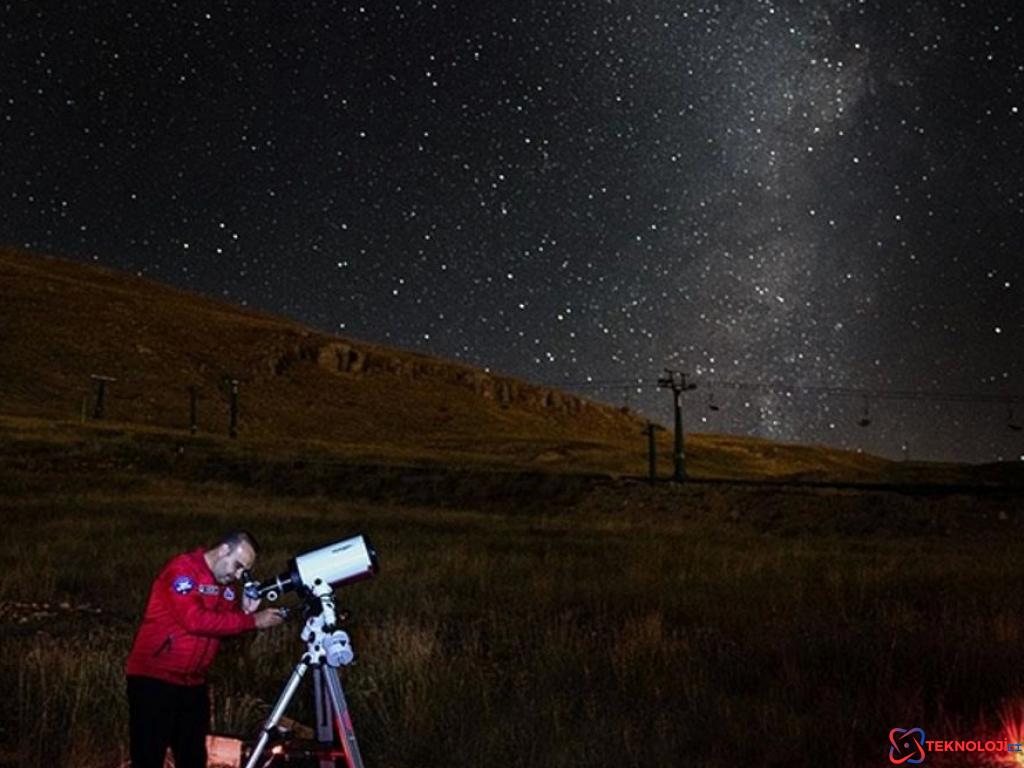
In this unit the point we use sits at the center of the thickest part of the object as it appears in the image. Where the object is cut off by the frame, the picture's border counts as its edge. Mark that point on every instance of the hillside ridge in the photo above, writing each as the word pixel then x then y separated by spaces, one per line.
pixel 171 354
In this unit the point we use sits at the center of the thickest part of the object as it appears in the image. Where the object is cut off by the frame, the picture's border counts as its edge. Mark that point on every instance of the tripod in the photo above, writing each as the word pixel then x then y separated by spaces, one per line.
pixel 327 648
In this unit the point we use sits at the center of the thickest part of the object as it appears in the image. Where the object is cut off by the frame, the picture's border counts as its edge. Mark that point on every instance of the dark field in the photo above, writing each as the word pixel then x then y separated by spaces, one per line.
pixel 527 620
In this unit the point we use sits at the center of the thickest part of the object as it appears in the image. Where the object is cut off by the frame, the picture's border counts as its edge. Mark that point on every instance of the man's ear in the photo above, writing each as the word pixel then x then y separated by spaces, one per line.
pixel 224 550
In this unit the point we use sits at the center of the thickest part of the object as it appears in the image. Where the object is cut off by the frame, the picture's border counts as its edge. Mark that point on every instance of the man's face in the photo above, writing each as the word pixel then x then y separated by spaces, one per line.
pixel 230 562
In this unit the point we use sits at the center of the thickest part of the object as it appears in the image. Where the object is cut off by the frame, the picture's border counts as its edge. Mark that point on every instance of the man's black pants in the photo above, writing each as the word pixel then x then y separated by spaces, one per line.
pixel 162 715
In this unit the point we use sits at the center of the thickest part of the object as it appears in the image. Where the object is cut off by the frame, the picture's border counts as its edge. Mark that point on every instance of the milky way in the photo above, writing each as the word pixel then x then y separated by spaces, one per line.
pixel 814 209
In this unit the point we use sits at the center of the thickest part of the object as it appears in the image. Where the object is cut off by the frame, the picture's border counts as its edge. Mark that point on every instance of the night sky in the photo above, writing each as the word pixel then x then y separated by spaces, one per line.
pixel 815 209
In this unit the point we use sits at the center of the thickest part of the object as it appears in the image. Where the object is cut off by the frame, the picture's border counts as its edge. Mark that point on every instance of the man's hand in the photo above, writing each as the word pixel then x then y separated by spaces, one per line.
pixel 268 617
pixel 249 605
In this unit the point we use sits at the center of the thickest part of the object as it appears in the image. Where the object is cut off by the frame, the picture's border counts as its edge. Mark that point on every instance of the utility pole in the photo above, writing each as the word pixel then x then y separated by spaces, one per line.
pixel 233 415
pixel 652 450
pixel 99 409
pixel 193 409
pixel 676 381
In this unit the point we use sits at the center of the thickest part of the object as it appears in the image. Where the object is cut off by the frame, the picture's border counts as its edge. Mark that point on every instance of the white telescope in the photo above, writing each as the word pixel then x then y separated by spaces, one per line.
pixel 343 562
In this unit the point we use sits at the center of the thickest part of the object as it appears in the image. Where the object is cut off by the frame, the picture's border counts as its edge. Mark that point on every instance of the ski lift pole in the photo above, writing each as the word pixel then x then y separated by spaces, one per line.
pixel 193 409
pixel 99 409
pixel 676 381
pixel 233 413
pixel 652 451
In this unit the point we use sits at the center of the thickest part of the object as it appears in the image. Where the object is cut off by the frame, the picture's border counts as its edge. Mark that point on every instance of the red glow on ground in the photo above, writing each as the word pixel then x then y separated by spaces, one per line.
pixel 1011 728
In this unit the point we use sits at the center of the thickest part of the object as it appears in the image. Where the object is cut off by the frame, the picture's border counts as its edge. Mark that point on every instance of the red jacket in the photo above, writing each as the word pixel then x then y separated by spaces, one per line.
pixel 187 614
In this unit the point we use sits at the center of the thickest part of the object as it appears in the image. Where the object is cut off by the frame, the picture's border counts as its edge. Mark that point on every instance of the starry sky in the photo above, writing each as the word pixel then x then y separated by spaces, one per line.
pixel 814 209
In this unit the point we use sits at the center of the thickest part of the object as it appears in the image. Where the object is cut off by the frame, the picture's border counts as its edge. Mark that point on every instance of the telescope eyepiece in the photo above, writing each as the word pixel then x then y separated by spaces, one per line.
pixel 250 586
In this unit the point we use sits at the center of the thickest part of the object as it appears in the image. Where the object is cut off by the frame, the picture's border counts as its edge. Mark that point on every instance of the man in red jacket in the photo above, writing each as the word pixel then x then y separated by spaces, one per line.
pixel 194 602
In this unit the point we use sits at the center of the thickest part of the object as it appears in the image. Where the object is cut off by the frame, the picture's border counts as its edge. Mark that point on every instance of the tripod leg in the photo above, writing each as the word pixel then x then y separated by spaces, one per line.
pixel 346 734
pixel 277 712
pixel 323 713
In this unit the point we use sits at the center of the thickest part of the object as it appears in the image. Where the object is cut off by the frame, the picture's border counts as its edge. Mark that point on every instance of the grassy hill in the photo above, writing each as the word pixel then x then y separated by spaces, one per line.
pixel 65 322
pixel 327 398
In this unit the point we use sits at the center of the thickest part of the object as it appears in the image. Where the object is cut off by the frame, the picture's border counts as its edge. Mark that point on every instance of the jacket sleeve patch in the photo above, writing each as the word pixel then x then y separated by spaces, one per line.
pixel 183 585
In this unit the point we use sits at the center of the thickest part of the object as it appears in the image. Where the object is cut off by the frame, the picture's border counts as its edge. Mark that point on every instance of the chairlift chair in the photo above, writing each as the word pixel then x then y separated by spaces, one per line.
pixel 1012 423
pixel 865 420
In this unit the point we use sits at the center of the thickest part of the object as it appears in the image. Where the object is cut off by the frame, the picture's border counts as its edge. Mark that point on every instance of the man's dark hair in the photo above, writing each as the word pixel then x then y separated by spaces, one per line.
pixel 234 538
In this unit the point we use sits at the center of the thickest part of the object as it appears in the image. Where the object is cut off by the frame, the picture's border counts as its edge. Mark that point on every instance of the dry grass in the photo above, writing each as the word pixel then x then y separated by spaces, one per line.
pixel 620 624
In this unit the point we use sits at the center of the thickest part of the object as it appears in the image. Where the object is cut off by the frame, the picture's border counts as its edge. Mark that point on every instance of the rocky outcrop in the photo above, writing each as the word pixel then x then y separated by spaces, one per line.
pixel 346 358
pixel 280 361
pixel 339 357
pixel 352 360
